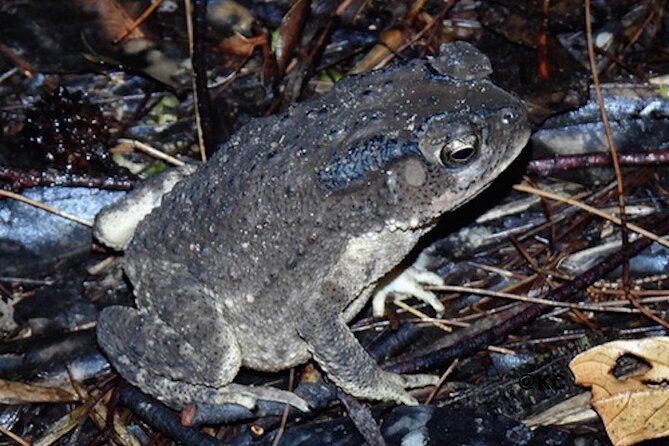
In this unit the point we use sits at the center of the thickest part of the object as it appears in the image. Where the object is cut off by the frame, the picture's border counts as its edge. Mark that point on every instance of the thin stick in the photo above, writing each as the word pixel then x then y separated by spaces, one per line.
pixel 45 207
pixel 286 411
pixel 421 315
pixel 442 378
pixel 190 30
pixel 152 151
pixel 630 226
pixel 139 20
pixel 608 307
pixel 609 138
pixel 14 437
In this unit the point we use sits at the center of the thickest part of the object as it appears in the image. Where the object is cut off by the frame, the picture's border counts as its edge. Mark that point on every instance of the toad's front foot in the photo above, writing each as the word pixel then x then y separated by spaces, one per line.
pixel 390 386
pixel 349 366
pixel 409 283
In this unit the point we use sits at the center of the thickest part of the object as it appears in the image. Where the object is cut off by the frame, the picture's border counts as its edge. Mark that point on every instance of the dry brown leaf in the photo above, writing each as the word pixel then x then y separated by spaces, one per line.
pixel 63 426
pixel 115 19
pixel 241 46
pixel 12 392
pixel 631 399
pixel 289 33
pixel 95 408
pixel 389 43
pixel 632 417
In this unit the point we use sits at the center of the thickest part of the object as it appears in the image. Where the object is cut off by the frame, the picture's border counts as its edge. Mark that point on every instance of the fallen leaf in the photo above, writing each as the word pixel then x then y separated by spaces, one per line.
pixel 389 43
pixel 628 381
pixel 12 392
pixel 240 45
pixel 289 33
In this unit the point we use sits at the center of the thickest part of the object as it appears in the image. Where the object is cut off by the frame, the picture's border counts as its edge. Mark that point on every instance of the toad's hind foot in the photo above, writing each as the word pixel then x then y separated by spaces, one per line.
pixel 389 386
pixel 179 395
pixel 190 365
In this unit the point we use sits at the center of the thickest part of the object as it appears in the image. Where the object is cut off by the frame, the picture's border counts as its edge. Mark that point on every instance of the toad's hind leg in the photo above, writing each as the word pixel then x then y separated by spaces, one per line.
pixel 193 363
pixel 349 366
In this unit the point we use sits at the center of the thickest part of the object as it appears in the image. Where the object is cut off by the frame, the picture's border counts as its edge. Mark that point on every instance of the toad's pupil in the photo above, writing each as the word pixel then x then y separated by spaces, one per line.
pixel 463 154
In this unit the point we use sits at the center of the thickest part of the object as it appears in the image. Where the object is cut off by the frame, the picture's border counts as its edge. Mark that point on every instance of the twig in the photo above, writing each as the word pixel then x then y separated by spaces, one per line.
pixel 609 138
pixel 21 179
pixel 619 221
pixel 196 26
pixel 45 207
pixel 152 151
pixel 286 411
pixel 23 65
pixel 139 20
pixel 14 437
pixel 362 419
pixel 9 73
pixel 550 166
pixel 163 419
pixel 608 307
pixel 442 378
pixel 421 315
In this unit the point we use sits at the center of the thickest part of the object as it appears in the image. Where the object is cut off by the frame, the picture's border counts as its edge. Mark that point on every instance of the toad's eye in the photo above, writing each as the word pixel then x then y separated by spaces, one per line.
pixel 459 151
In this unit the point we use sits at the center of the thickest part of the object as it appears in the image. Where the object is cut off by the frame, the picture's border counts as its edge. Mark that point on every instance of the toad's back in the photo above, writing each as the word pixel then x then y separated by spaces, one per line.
pixel 281 200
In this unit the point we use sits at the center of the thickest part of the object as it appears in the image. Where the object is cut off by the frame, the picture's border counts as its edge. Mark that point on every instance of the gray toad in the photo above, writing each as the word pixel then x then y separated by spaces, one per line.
pixel 263 255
